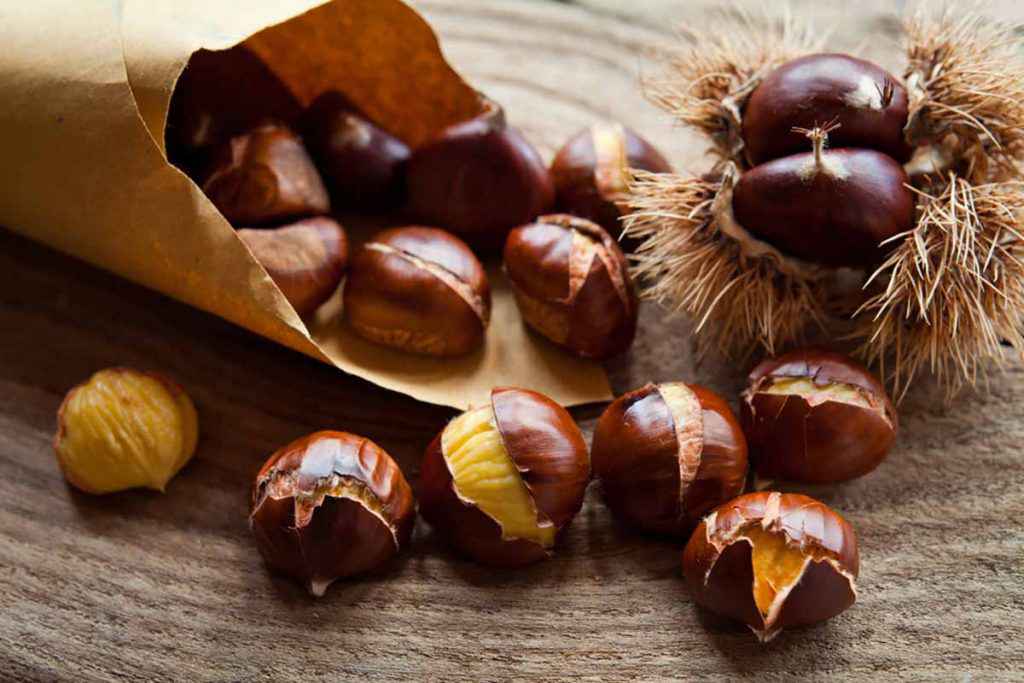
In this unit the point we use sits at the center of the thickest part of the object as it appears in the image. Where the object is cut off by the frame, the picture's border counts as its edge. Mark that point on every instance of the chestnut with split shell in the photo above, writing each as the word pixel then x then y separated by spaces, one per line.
pixel 772 561
pixel 329 506
pixel 666 454
pixel 501 481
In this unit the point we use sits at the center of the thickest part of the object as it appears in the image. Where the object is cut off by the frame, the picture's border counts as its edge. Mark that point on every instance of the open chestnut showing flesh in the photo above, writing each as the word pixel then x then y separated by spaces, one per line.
pixel 418 289
pixel 773 561
pixel 816 416
pixel 666 454
pixel 305 259
pixel 328 506
pixel 572 285
pixel 502 480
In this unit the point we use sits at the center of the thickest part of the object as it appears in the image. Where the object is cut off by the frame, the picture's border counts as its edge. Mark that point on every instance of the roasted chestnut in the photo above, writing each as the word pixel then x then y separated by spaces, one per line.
pixel 666 454
pixel 479 178
pixel 265 176
pixel 773 561
pixel 502 480
pixel 305 259
pixel 572 285
pixel 867 102
pixel 816 416
pixel 420 290
pixel 328 506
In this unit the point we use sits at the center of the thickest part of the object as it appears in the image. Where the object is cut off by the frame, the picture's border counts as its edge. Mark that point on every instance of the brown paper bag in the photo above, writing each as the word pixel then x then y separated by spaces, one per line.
pixel 85 93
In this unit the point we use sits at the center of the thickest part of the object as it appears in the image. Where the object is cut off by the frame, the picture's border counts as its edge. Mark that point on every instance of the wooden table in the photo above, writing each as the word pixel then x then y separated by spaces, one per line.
pixel 145 586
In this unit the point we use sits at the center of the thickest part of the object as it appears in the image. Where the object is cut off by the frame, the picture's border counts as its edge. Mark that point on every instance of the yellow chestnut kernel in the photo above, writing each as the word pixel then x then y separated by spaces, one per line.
pixel 778 566
pixel 125 429
pixel 483 474
pixel 818 393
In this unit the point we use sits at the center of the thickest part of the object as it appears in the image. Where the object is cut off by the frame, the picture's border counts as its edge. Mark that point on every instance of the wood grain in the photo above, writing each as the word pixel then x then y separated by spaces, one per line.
pixel 142 586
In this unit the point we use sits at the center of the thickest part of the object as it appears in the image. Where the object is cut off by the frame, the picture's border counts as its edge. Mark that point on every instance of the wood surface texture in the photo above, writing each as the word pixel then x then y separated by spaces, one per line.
pixel 143 586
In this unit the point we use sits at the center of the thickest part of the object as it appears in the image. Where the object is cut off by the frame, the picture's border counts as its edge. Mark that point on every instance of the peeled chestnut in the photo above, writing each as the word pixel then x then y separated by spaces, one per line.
pixel 265 176
pixel 420 290
pixel 773 561
pixel 362 164
pixel 479 178
pixel 502 480
pixel 305 259
pixel 666 454
pixel 572 285
pixel 328 506
pixel 867 102
pixel 816 416
pixel 591 172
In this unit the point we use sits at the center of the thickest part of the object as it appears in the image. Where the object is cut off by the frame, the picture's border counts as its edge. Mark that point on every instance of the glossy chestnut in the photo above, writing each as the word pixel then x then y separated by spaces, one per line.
pixel 329 506
pixel 420 290
pixel 666 454
pixel 500 482
pixel 816 416
pixel 572 285
pixel 773 561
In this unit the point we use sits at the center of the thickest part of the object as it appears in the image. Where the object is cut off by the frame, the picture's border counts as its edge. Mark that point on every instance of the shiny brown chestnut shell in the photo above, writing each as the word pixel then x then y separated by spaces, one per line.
pixel 666 454
pixel 550 455
pixel 772 561
pixel 572 285
pixel 868 103
pixel 328 506
pixel 418 289
pixel 816 416
pixel 306 259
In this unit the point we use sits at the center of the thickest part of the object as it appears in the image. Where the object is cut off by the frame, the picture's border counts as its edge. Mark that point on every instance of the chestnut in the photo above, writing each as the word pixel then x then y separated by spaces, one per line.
pixel 305 259
pixel 772 561
pixel 418 289
pixel 479 178
pixel 666 454
pixel 591 172
pixel 362 164
pixel 265 176
pixel 572 285
pixel 501 481
pixel 868 103
pixel 816 416
pixel 329 506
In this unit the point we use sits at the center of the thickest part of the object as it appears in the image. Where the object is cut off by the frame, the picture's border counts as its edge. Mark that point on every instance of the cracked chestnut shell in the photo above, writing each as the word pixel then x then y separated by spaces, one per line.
pixel 572 285
pixel 773 561
pixel 868 103
pixel 418 289
pixel 329 506
pixel 816 416
pixel 666 454
pixel 501 482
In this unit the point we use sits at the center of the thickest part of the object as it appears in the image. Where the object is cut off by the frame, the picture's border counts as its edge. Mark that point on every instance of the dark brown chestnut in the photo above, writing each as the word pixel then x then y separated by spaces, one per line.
pixel 501 481
pixel 480 179
pixel 816 416
pixel 773 561
pixel 868 103
pixel 572 285
pixel 305 259
pixel 418 289
pixel 666 454
pixel 329 506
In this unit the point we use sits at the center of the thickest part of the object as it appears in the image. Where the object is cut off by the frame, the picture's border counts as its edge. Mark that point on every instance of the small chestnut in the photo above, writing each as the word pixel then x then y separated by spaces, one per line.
pixel 479 179
pixel 418 289
pixel 265 176
pixel 816 416
pixel 773 561
pixel 305 259
pixel 591 172
pixel 666 454
pixel 329 506
pixel 502 480
pixel 572 285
